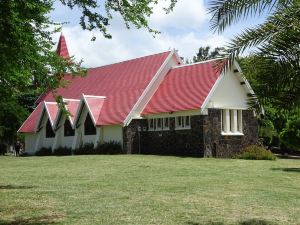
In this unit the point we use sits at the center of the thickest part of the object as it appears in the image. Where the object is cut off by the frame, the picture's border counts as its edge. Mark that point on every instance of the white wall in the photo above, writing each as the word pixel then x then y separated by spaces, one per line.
pixel 112 133
pixel 30 140
pixel 229 93
pixel 61 140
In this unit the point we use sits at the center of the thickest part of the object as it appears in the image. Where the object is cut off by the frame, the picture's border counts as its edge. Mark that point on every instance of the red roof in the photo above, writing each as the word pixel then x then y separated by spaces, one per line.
pixel 122 84
pixel 30 123
pixel 72 106
pixel 62 49
pixel 183 88
pixel 94 104
pixel 52 110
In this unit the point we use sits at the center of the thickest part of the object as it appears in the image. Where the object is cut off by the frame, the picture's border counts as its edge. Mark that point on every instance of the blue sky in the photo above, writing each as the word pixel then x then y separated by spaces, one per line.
pixel 185 29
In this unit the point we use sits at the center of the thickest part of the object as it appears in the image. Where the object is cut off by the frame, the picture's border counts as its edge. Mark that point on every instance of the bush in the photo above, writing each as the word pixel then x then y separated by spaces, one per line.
pixel 256 152
pixel 44 152
pixel 62 151
pixel 290 136
pixel 110 148
pixel 86 149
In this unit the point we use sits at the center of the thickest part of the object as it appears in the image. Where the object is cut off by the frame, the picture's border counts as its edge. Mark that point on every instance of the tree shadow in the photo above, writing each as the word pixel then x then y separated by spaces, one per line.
pixel 244 222
pixel 9 186
pixel 287 169
pixel 42 220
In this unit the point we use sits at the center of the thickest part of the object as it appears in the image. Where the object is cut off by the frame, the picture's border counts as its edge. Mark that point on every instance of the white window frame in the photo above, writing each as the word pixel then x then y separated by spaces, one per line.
pixel 158 124
pixel 180 122
pixel 231 122
pixel 149 124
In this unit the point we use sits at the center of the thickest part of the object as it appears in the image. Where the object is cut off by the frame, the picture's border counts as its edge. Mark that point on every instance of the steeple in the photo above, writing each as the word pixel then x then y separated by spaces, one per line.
pixel 62 49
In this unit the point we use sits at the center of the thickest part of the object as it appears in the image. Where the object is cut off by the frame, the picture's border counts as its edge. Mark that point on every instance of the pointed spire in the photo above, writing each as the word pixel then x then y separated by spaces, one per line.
pixel 62 49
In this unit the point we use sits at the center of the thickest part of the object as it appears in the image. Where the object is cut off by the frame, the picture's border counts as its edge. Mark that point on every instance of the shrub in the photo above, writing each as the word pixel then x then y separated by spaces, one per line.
pixel 44 152
pixel 62 151
pixel 110 148
pixel 86 149
pixel 290 136
pixel 256 152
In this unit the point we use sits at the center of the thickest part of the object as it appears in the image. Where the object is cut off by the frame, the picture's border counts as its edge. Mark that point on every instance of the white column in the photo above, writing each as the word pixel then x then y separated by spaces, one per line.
pixel 227 123
pixel 240 121
pixel 234 121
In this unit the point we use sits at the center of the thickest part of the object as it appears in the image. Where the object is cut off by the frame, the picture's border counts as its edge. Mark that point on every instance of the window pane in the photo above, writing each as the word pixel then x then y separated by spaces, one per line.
pixel 187 121
pixel 89 128
pixel 159 124
pixel 49 131
pixel 151 124
pixel 68 130
pixel 166 123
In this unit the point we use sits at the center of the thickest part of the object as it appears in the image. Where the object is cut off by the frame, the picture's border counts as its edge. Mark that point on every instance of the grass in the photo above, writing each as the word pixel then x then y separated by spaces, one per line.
pixel 136 189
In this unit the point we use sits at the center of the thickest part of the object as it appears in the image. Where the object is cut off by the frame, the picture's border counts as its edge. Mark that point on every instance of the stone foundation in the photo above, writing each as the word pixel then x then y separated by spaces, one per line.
pixel 203 139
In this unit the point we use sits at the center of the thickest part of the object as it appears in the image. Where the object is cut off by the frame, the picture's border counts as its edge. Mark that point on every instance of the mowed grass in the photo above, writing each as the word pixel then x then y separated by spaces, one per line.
pixel 137 189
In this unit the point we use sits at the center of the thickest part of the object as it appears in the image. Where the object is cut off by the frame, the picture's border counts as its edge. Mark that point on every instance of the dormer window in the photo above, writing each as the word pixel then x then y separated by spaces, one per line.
pixel 89 128
pixel 49 131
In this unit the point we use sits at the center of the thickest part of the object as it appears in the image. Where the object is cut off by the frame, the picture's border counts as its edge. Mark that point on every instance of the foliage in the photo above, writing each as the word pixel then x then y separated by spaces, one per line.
pixel 110 148
pixel 62 151
pixel 290 136
pixel 256 152
pixel 44 152
pixel 276 42
pixel 86 149
pixel 204 54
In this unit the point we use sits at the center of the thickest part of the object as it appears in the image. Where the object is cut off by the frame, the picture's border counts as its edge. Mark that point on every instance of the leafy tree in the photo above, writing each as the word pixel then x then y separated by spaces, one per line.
pixel 204 53
pixel 276 41
pixel 290 136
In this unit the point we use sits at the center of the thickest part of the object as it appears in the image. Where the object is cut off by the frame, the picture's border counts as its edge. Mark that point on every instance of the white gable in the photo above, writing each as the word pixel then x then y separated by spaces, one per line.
pixel 230 92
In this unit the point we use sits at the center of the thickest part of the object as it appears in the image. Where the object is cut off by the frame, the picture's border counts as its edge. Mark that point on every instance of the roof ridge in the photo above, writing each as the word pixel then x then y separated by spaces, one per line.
pixel 196 63
pixel 127 60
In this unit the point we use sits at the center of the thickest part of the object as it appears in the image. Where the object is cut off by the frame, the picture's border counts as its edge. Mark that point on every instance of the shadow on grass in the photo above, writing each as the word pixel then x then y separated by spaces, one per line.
pixel 3 187
pixel 287 169
pixel 245 222
pixel 42 220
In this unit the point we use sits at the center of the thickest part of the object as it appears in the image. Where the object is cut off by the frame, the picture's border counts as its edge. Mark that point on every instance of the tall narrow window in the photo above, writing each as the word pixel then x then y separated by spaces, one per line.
pixel 166 124
pixel 68 130
pixel 158 123
pixel 89 128
pixel 49 131
pixel 150 124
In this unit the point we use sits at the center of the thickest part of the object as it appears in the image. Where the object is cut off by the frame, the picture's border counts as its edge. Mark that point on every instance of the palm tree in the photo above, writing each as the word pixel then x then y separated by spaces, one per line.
pixel 276 42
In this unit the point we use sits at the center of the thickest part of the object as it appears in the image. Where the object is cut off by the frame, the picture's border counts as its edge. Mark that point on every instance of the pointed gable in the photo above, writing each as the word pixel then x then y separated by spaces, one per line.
pixel 52 110
pixel 184 88
pixel 94 105
pixel 72 106
pixel 62 49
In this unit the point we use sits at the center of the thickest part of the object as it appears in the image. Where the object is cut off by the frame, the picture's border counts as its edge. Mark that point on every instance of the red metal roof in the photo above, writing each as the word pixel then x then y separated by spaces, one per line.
pixel 122 84
pixel 72 106
pixel 52 110
pixel 95 104
pixel 62 49
pixel 29 124
pixel 183 88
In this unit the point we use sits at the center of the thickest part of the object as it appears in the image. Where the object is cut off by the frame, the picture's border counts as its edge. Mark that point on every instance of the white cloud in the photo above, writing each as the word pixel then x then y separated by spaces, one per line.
pixel 180 30
pixel 187 14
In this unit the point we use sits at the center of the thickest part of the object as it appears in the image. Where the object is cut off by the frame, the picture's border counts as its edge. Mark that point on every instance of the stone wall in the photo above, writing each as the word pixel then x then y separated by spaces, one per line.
pixel 224 146
pixel 203 139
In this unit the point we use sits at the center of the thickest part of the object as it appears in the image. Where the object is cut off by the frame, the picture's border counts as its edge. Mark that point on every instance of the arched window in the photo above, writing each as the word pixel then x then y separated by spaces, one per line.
pixel 89 128
pixel 49 131
pixel 68 130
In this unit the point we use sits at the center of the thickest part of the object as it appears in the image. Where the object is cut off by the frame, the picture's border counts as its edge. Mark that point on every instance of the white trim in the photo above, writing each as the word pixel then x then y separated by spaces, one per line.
pixel 243 77
pixel 49 116
pixel 69 99
pixel 196 63
pixel 148 88
pixel 211 92
pixel 89 110
pixel 93 96
pixel 232 134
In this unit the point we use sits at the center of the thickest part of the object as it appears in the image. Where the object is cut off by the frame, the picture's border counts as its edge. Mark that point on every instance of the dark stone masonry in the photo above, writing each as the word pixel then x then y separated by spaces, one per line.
pixel 203 139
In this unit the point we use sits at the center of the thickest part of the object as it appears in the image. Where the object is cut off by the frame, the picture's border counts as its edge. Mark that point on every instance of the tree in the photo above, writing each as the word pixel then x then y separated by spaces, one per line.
pixel 204 53
pixel 26 46
pixel 276 41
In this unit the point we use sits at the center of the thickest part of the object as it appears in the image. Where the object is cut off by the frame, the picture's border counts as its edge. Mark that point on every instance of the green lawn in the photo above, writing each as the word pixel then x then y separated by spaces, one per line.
pixel 136 189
